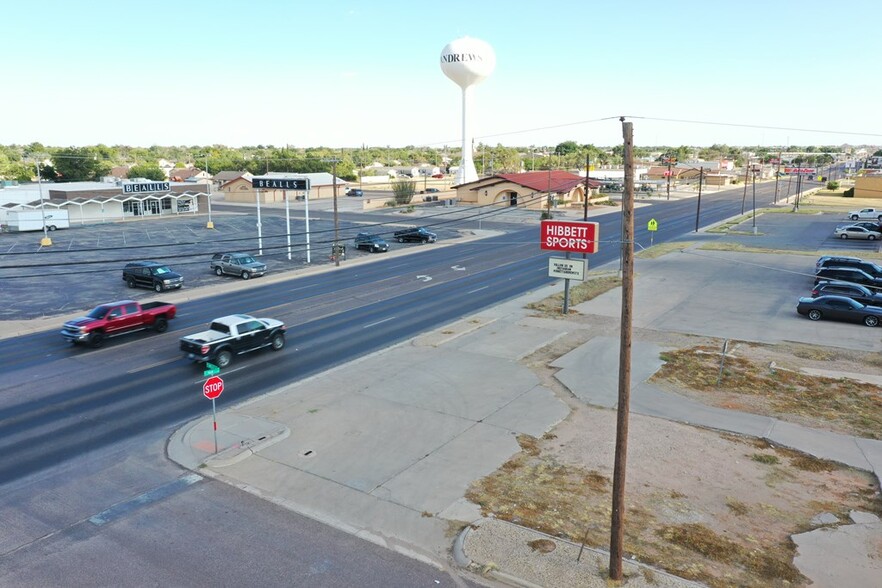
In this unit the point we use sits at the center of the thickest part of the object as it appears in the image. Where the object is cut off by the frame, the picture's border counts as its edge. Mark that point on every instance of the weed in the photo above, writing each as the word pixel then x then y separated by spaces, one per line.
pixel 736 506
pixel 585 291
pixel 766 459
pixel 662 249
pixel 675 495
pixel 542 545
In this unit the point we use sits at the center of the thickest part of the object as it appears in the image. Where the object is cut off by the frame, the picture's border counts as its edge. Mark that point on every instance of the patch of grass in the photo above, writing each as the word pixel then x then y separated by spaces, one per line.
pixel 662 249
pixel 772 565
pixel 851 406
pixel 675 495
pixel 766 459
pixel 806 462
pixel 542 545
pixel 529 444
pixel 583 292
pixel 736 506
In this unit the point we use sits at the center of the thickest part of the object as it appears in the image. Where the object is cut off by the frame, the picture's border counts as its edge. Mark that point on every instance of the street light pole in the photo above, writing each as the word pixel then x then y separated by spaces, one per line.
pixel 45 241
pixel 754 202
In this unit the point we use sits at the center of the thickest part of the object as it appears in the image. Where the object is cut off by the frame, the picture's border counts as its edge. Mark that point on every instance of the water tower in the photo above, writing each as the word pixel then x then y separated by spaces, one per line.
pixel 467 62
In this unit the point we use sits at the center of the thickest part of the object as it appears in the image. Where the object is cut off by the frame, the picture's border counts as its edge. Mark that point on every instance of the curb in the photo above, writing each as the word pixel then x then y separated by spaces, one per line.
pixel 247 448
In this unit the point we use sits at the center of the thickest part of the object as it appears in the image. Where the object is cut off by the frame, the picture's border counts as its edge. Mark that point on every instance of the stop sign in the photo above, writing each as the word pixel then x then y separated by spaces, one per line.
pixel 213 387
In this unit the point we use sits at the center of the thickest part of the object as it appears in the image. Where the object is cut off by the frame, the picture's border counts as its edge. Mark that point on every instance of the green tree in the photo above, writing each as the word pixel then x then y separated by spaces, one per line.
pixel 403 191
pixel 79 164
pixel 878 153
pixel 566 148
pixel 149 171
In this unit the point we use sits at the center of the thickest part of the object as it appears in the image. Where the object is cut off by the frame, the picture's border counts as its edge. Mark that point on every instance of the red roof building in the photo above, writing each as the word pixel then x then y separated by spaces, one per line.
pixel 528 190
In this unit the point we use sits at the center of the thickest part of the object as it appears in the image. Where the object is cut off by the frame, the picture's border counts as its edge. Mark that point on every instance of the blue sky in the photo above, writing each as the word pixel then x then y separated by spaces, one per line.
pixel 343 73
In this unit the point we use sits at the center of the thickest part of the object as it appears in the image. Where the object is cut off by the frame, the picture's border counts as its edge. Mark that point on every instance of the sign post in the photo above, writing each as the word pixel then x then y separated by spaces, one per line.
pixel 652 227
pixel 570 237
pixel 211 389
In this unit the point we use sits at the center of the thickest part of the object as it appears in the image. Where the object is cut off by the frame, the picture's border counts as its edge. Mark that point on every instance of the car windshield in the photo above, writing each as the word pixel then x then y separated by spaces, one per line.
pixel 244 260
pixel 98 312
pixel 158 271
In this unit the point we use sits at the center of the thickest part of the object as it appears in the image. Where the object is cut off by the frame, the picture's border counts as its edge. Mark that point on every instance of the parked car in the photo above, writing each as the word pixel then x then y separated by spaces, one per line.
pixel 117 318
pixel 237 264
pixel 872 226
pixel 837 261
pixel 855 232
pixel 866 213
pixel 355 192
pixel 854 291
pixel 438 176
pixel 233 335
pixel 852 275
pixel 150 274
pixel 432 190
pixel 839 308
pixel 373 243
pixel 415 234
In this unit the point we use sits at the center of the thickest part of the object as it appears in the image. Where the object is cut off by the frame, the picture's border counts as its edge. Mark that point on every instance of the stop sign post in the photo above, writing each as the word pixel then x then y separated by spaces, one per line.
pixel 211 389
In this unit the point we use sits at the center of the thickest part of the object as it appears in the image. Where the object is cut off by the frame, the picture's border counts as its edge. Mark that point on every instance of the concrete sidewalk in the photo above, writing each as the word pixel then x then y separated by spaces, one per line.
pixel 386 446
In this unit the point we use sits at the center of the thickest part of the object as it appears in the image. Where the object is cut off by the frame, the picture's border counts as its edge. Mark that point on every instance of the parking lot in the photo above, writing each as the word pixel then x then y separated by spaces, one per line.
pixel 83 266
pixel 745 296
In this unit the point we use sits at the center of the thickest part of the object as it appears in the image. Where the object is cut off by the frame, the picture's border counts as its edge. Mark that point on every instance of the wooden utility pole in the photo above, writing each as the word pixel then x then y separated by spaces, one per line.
pixel 337 249
pixel 698 208
pixel 669 179
pixel 616 544
pixel 746 171
pixel 777 175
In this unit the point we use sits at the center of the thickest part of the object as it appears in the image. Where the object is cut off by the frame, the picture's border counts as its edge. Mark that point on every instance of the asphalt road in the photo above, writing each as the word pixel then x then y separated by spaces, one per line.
pixel 77 419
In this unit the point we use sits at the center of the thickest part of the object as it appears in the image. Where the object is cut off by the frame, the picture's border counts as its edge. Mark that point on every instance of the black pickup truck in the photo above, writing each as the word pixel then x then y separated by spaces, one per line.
pixel 415 234
pixel 233 335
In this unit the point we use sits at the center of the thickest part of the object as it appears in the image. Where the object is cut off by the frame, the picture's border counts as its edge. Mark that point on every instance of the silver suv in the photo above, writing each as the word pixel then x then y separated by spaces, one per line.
pixel 237 264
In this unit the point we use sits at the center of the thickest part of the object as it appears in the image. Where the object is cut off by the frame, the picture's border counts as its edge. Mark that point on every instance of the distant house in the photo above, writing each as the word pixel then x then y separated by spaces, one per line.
pixel 223 177
pixel 660 172
pixel 120 172
pixel 527 190
pixel 321 186
pixel 184 174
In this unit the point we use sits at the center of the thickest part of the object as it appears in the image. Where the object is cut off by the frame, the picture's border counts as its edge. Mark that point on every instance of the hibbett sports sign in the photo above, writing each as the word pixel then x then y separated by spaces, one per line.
pixel 575 237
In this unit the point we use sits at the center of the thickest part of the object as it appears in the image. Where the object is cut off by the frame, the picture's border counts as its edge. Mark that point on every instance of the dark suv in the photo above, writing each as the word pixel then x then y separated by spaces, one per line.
pixel 851 275
pixel 837 261
pixel 857 292
pixel 150 274
pixel 373 243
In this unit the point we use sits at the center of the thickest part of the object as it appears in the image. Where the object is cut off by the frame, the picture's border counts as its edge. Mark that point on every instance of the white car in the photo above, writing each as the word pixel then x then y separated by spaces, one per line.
pixel 856 232
pixel 874 213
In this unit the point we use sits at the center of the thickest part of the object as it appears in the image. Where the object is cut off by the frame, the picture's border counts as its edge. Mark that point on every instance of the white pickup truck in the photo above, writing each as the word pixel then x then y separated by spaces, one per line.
pixel 866 213
pixel 233 335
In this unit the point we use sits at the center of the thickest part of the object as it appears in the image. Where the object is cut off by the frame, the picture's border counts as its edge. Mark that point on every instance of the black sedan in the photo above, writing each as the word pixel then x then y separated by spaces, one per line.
pixel 839 308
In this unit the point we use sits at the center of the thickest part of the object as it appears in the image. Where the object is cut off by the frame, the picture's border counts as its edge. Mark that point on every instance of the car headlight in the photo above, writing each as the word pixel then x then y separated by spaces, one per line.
pixel 166 281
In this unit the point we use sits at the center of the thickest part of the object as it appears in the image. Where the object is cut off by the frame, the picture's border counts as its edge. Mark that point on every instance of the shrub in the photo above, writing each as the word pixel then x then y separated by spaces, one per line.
pixel 832 185
pixel 849 193
pixel 546 215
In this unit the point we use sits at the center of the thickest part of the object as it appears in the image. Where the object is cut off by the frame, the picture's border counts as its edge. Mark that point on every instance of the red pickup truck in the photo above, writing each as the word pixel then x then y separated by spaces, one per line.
pixel 116 318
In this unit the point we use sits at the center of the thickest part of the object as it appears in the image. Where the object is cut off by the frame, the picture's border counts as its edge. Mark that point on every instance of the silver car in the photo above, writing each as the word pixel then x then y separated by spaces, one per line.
pixel 237 264
pixel 856 232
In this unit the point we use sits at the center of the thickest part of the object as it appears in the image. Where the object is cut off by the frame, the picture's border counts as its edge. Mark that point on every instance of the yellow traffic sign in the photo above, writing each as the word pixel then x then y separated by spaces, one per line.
pixel 652 225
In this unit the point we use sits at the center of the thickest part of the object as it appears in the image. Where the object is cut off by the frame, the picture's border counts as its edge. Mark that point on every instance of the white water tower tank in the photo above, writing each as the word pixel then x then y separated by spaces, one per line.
pixel 467 62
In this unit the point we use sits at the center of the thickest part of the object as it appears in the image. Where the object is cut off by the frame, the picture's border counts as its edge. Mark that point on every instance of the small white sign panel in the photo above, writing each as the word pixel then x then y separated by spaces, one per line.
pixel 570 269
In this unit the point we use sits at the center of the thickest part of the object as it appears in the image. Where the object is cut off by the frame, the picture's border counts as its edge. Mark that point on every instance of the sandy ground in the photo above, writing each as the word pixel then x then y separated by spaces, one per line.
pixel 701 504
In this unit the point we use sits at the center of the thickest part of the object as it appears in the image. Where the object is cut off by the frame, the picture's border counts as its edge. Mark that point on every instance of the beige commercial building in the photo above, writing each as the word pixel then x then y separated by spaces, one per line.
pixel 528 190
pixel 868 187
pixel 321 186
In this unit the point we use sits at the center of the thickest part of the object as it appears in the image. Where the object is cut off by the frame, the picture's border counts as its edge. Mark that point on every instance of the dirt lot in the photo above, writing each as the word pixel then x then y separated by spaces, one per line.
pixel 703 505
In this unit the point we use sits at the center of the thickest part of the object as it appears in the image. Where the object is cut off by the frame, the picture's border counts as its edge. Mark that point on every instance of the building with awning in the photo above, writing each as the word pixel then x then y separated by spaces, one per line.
pixel 98 202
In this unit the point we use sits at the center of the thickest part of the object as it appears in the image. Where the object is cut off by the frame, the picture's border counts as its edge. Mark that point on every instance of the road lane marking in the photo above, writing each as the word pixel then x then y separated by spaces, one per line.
pixel 477 289
pixel 123 508
pixel 152 365
pixel 378 322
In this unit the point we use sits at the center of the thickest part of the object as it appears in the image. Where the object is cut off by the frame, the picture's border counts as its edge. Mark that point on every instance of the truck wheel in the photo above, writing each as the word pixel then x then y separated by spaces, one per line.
pixel 223 359
pixel 51 227
pixel 157 287
pixel 246 275
pixel 97 339
pixel 161 325
pixel 218 271
pixel 278 341
pixel 130 282
pixel 400 239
